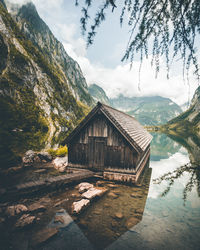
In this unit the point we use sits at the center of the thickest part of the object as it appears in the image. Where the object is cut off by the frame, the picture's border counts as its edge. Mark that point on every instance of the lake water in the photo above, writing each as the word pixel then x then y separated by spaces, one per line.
pixel 161 212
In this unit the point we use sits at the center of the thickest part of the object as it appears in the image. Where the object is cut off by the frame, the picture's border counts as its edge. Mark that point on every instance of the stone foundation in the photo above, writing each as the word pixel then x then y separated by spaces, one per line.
pixel 119 177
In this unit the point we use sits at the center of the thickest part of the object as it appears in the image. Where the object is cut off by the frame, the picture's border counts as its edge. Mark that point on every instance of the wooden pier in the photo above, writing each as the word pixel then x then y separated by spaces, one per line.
pixel 45 185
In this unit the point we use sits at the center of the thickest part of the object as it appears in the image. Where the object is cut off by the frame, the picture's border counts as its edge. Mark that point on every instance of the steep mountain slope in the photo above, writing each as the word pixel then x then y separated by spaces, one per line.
pixel 153 110
pixel 39 82
pixel 98 94
pixel 38 32
pixel 189 120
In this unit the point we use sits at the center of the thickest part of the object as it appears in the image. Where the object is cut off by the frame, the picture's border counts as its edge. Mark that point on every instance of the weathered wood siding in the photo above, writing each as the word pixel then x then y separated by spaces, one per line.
pixel 100 145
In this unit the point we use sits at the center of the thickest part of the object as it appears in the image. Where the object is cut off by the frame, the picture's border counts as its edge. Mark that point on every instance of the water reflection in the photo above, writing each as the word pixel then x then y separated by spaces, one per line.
pixel 191 169
pixel 193 182
pixel 147 216
pixel 168 222
pixel 162 147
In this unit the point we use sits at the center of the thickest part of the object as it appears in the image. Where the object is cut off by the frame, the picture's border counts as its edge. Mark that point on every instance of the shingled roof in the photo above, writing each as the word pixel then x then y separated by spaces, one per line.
pixel 127 125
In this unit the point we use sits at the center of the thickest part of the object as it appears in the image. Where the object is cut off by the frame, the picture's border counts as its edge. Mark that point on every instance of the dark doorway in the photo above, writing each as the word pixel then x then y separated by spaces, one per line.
pixel 96 152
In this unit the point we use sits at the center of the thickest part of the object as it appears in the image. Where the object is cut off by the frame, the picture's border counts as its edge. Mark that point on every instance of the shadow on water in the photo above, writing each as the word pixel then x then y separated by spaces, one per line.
pixel 117 212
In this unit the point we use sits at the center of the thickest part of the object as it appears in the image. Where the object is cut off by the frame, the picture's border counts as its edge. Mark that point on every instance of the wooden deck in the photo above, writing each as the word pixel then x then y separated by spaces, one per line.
pixel 45 185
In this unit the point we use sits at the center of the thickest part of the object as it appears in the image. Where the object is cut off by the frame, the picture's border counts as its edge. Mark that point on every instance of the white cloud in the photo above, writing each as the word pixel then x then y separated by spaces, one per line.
pixel 164 166
pixel 123 80
pixel 116 80
pixel 50 4
pixel 18 1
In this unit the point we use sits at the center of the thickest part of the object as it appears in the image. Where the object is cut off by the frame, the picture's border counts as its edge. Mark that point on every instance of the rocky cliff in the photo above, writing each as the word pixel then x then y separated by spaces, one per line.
pixel 41 88
pixel 99 94
pixel 188 121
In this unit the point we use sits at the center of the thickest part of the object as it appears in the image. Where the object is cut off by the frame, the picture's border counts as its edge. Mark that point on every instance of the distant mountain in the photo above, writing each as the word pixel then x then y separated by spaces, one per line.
pixel 98 94
pixel 41 87
pixel 153 110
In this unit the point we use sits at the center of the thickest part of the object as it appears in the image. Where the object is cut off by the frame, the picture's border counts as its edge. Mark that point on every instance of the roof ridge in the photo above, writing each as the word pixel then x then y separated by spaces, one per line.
pixel 118 111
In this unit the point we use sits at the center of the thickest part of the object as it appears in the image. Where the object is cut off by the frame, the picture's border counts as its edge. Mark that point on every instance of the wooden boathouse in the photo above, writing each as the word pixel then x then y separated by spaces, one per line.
pixel 111 142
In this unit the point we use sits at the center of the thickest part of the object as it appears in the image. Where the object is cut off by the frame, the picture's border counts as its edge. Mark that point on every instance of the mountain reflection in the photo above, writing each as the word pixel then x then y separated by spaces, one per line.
pixel 192 169
pixel 162 147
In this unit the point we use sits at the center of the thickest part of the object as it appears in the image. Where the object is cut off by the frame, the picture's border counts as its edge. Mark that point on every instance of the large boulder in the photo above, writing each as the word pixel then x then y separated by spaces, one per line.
pixel 60 163
pixel 30 158
pixel 78 206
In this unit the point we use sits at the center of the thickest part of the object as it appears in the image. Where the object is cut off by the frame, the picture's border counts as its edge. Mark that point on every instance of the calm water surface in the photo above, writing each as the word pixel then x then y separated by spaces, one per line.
pixel 162 212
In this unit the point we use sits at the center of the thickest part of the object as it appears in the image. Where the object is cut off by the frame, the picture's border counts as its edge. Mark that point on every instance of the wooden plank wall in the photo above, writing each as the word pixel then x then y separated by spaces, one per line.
pixel 118 153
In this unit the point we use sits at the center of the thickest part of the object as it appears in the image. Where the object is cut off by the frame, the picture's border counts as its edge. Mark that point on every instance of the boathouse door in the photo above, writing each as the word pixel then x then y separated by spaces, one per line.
pixel 96 152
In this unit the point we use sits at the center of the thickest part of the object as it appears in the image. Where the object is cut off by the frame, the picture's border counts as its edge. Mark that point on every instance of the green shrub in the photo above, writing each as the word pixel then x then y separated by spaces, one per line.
pixel 61 151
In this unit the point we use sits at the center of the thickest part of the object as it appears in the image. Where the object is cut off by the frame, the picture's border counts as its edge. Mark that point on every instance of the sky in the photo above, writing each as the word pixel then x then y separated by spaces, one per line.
pixel 101 62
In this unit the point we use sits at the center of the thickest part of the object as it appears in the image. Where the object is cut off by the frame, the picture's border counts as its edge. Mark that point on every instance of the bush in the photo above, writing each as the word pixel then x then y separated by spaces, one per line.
pixel 61 151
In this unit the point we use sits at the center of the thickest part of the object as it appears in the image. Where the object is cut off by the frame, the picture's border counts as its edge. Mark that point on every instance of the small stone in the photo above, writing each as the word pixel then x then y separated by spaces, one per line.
pixel 100 183
pixel 84 186
pixel 119 215
pixel 75 195
pixel 97 212
pixel 131 222
pixel 111 185
pixel 25 220
pixel 78 206
pixel 106 205
pixel 40 171
pixel 59 219
pixel 133 195
pixel 58 203
pixel 165 213
pixel 44 200
pixel 36 207
pixel 15 210
pixel 94 192
pixel 113 195
pixel 44 235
